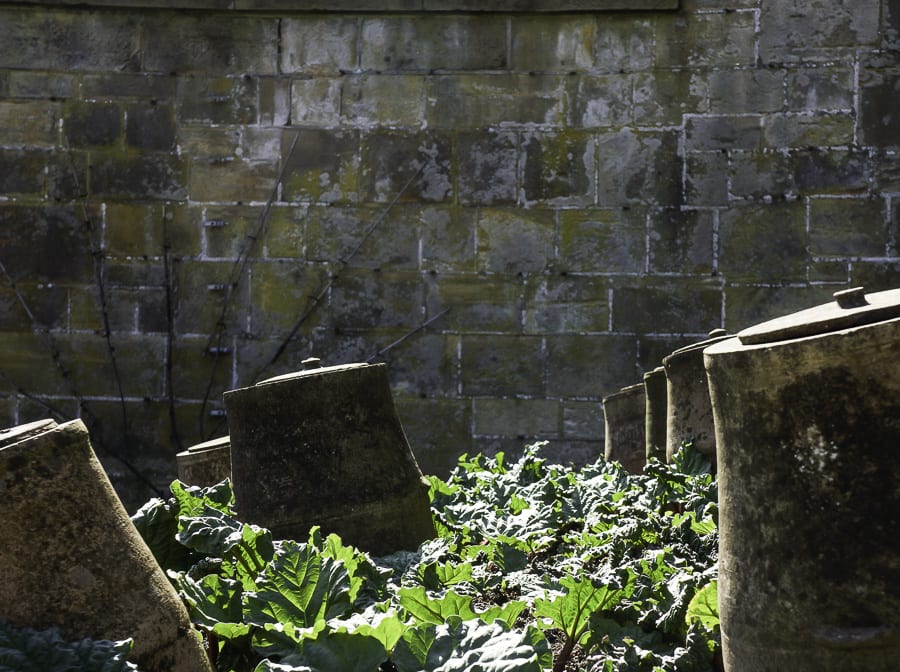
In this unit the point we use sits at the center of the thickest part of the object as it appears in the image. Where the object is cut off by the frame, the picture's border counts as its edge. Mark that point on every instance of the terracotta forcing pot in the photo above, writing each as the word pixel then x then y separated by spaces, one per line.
pixel 807 414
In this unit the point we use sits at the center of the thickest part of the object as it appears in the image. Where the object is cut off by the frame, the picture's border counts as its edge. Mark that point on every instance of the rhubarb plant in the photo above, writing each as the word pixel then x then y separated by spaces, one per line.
pixel 537 567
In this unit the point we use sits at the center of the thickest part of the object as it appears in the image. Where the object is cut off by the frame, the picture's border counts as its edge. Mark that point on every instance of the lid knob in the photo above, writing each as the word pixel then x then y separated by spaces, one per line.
pixel 851 298
pixel 311 363
pixel 715 333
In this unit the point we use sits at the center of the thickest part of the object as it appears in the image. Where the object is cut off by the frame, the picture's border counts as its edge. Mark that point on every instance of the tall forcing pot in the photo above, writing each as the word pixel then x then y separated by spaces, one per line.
pixel 807 414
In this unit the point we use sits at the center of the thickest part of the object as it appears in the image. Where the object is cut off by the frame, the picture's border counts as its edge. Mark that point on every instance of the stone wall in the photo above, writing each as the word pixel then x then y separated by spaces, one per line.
pixel 518 211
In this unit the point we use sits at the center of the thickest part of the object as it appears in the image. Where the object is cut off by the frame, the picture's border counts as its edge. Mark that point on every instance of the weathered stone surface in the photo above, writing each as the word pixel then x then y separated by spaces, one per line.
pixel 149 176
pixel 706 179
pixel 210 43
pixel 406 167
pixel 681 241
pixel 29 123
pixel 365 297
pixel 722 132
pixel 639 167
pixel 820 130
pixel 793 31
pixel 361 238
pixel 847 227
pixel 559 169
pixel 488 168
pixel 22 171
pixel 45 244
pixel 487 303
pixel 385 100
pixel 426 43
pixel 218 100
pixel 553 43
pixel 316 101
pixel 150 127
pixel 685 305
pixel 879 121
pixel 322 45
pixel 717 39
pixel 566 304
pixel 736 91
pixel 323 168
pixel 498 366
pixel 764 242
pixel 625 432
pixel 447 238
pixel 511 242
pixel 589 366
pixel 602 240
pixel 526 419
pixel 436 445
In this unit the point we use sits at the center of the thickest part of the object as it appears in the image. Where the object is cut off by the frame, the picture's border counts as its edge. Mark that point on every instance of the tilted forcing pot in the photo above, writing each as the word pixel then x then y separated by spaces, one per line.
pixel 807 415
pixel 324 446
pixel 625 440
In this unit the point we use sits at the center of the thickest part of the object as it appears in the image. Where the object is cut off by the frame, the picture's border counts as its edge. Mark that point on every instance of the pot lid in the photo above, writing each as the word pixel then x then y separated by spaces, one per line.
pixel 850 308
pixel 21 432
pixel 313 367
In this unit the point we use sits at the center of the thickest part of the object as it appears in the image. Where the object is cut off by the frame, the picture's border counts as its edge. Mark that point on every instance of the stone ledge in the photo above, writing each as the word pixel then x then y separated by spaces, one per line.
pixel 377 6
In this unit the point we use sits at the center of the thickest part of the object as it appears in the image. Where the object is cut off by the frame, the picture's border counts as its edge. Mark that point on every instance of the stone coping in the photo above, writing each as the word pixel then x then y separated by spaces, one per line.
pixel 379 6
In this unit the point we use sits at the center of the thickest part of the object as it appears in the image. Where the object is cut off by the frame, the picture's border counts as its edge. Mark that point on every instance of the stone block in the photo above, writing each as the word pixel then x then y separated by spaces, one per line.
pixel 747 305
pixel 652 348
pixel 135 271
pixel 363 299
pixel 566 304
pixel 202 292
pixel 45 244
pixel 751 90
pixel 514 241
pixel 848 227
pixel 838 171
pixel 218 100
pixel 29 123
pixel 438 429
pixel 763 243
pixel 274 101
pixel 27 84
pixel 232 181
pixel 319 45
pixel 204 142
pixel 384 100
pixel 281 292
pixel 422 363
pixel 406 167
pixel 476 303
pixel 69 40
pixel 324 168
pixel 48 305
pixel 583 420
pixel 196 372
pixel 600 101
pixel 148 87
pixel 425 43
pixel 590 366
pixel 152 312
pixel 316 101
pixel 875 276
pixel 501 365
pixel 144 176
pixel 637 166
pixel 22 171
pixel 623 43
pixel 447 238
pixel 559 169
pixel 363 237
pixel 602 240
pixel 139 360
pixel 706 178
pixel 525 419
pixel 885 170
pixel 829 271
pixel 722 132
pixel 879 121
pixel 494 99
pixel 150 127
pixel 488 167
pixel 563 43
pixel 230 231
pixel 796 31
pixel 803 130
pixel 121 309
pixel 827 88
pixel 662 97
pixel 759 175
pixel 211 43
pixel 682 241
pixel 674 305
pixel 285 233
pixel 31 364
pixel 717 39
pixel 90 124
